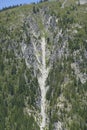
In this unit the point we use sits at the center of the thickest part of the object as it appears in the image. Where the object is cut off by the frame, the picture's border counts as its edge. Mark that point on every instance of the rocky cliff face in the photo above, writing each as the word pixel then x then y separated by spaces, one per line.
pixel 43 67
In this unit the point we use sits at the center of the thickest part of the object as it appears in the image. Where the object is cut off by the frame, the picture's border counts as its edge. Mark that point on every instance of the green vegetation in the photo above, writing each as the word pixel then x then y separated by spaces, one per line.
pixel 64 88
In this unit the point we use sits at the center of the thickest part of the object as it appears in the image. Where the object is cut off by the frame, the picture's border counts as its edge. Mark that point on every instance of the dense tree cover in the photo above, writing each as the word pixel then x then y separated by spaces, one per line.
pixel 14 89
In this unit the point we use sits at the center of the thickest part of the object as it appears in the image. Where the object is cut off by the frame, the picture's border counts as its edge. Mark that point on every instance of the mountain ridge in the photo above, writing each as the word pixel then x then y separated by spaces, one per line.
pixel 64 30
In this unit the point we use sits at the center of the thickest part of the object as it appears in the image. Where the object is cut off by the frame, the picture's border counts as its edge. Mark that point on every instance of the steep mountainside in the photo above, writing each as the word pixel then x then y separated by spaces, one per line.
pixel 43 67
